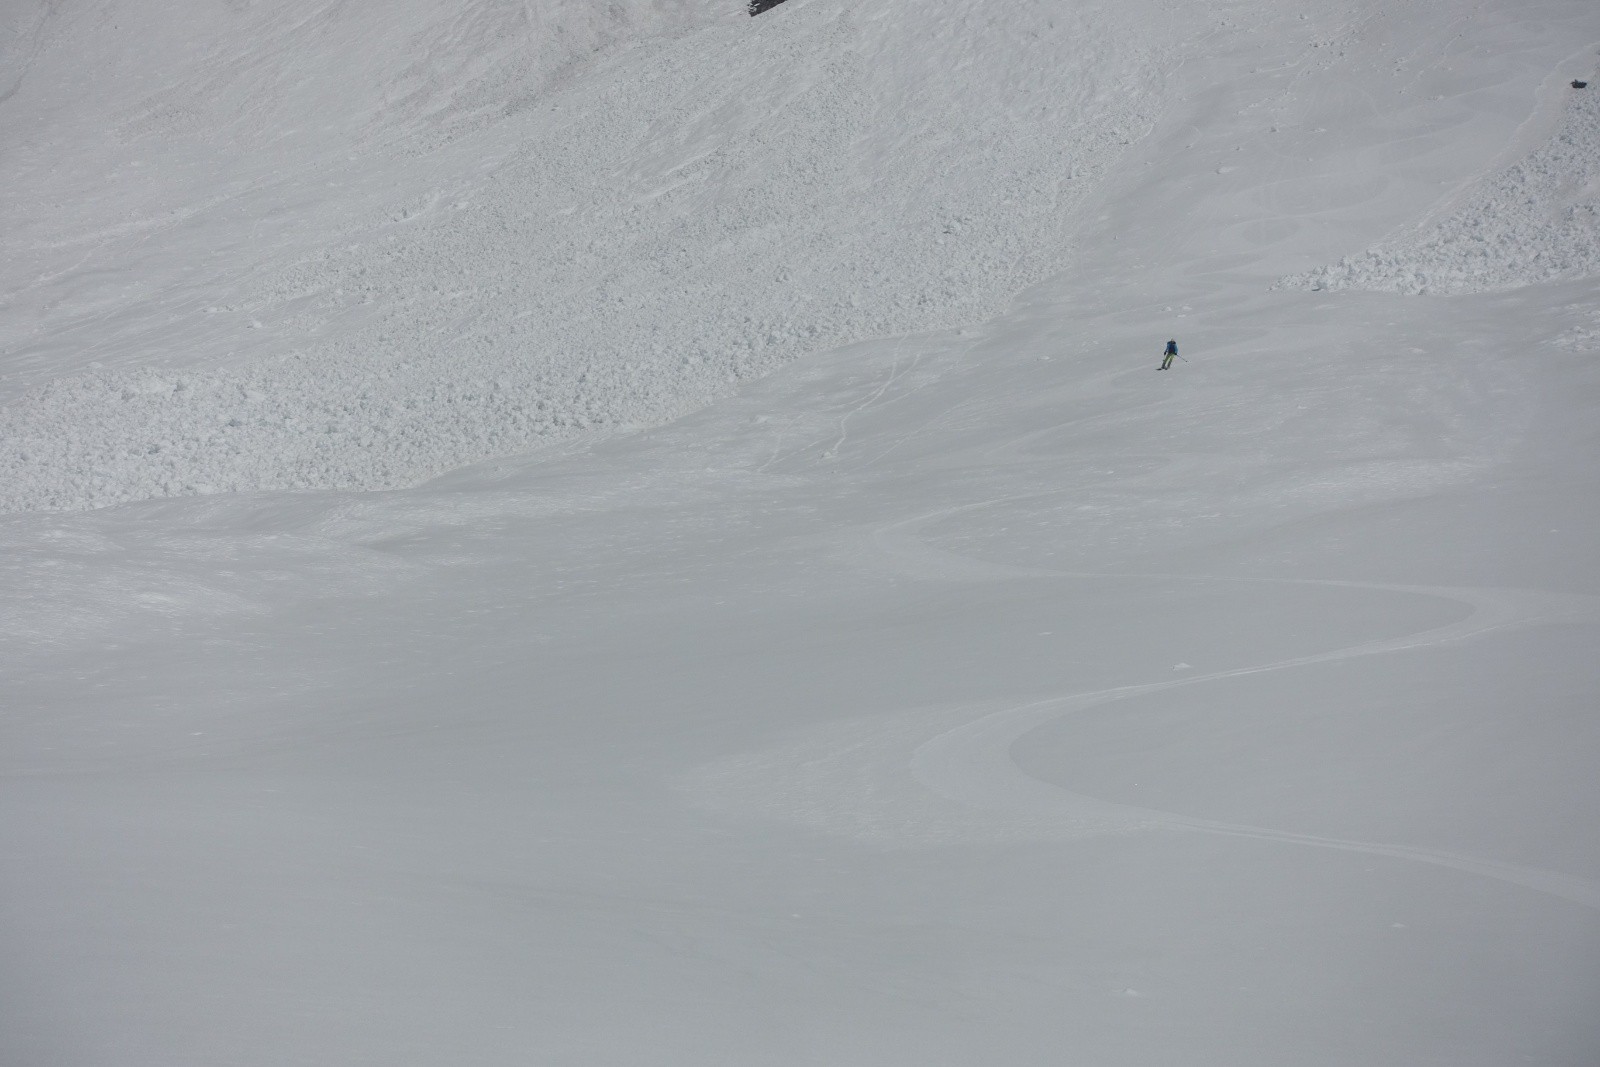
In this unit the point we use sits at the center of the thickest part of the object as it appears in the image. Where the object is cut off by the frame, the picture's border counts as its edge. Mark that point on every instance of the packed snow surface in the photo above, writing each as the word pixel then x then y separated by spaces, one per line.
pixel 799 624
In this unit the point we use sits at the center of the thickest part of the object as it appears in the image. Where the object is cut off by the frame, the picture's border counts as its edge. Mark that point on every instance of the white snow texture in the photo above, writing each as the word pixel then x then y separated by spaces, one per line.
pixel 1537 220
pixel 547 219
pixel 799 625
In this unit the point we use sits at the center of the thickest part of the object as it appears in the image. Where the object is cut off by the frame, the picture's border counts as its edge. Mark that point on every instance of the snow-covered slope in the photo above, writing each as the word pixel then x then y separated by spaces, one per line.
pixel 1537 220
pixel 318 246
pixel 970 692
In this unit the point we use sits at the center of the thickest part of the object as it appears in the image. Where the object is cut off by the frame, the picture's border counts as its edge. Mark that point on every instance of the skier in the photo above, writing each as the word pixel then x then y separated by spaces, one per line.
pixel 1168 356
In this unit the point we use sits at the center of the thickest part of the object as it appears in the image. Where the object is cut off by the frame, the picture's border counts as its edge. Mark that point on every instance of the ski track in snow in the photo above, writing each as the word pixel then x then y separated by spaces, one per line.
pixel 847 778
pixel 972 763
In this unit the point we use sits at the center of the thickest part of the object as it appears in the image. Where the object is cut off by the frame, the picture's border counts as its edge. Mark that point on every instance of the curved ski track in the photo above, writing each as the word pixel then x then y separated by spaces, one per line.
pixel 972 765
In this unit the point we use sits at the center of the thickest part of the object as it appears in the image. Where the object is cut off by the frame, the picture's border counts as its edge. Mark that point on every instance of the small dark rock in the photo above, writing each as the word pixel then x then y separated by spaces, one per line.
pixel 1580 85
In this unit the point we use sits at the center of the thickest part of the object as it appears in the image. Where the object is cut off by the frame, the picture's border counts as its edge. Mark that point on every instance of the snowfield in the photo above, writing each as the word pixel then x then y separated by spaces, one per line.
pixel 630 534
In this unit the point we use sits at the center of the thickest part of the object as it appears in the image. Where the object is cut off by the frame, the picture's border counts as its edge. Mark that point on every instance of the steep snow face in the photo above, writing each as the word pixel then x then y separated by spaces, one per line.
pixel 227 131
pixel 1534 221
pixel 336 247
